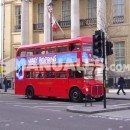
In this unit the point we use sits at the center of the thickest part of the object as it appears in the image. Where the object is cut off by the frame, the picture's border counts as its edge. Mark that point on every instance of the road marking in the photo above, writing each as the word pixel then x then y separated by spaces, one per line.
pixel 80 115
pixel 127 120
pixel 109 128
pixel 21 103
pixel 21 123
pixel 7 125
pixel 120 127
pixel 48 119
pixel 71 116
pixel 59 118
pixel 47 106
pixel 4 121
pixel 37 108
pixel 122 104
pixel 35 121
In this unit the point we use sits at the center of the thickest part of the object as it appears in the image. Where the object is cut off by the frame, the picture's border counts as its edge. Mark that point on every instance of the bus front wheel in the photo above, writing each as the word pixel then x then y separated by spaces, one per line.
pixel 76 95
pixel 30 93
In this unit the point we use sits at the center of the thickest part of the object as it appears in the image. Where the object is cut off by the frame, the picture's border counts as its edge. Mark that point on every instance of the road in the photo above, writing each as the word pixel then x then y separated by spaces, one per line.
pixel 19 113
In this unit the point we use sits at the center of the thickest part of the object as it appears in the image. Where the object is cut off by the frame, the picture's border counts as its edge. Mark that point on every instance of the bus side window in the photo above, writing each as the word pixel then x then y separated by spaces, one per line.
pixel 40 51
pixel 61 75
pixel 71 73
pixel 50 50
pixel 75 47
pixel 30 52
pixel 78 74
pixel 50 74
pixel 62 48
pixel 39 75
pixel 30 74
pixel 22 53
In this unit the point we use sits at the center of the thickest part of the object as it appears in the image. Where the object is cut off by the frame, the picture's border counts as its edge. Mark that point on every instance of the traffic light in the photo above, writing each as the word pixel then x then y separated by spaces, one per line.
pixel 109 46
pixel 98 39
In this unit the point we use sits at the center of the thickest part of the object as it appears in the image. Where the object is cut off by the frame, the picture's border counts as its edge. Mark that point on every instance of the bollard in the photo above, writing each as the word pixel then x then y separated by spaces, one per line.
pixel 88 98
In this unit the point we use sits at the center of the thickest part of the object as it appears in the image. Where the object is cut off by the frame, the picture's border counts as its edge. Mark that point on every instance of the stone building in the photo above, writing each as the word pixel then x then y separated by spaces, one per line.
pixel 117 26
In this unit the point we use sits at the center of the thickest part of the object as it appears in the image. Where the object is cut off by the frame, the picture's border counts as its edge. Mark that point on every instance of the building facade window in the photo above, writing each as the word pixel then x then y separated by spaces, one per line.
pixel 119 50
pixel 40 13
pixel 118 11
pixel 66 12
pixel 18 18
pixel 92 9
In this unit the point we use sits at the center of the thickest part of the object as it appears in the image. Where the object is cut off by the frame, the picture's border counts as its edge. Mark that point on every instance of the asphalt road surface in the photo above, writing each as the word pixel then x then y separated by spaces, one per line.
pixel 19 113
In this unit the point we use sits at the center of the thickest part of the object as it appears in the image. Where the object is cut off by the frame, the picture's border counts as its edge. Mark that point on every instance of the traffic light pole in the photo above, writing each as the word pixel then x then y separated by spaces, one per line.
pixel 104 74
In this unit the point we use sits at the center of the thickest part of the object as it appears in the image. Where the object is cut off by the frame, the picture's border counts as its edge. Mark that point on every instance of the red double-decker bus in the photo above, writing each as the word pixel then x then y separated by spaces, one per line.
pixel 61 69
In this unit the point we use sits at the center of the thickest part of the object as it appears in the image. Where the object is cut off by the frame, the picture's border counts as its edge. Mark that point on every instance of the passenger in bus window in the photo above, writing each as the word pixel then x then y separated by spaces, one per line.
pixel 40 75
pixel 71 73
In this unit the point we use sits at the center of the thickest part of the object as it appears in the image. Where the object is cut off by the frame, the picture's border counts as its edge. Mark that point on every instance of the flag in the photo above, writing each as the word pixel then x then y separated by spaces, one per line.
pixel 54 23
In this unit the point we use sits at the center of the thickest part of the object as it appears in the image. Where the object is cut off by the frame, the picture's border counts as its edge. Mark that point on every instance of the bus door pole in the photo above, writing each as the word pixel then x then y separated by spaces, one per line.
pixel 104 73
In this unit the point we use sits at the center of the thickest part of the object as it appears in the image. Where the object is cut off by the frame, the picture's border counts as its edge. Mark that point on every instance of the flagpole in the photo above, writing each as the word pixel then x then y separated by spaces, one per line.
pixel 58 25
pixel 50 5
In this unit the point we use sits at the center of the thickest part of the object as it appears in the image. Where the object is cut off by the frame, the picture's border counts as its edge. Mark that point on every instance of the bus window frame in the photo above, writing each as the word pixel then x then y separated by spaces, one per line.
pixel 50 77
pixel 19 51
pixel 37 72
pixel 31 71
pixel 74 45
pixel 50 48
pixel 41 51
pixel 61 72
pixel 64 45
pixel 30 49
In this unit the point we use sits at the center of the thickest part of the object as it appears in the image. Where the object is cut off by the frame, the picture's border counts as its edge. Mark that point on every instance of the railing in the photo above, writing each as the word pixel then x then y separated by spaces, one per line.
pixel 64 24
pixel 39 26
pixel 118 19
pixel 17 28
pixel 88 22
pixel 67 24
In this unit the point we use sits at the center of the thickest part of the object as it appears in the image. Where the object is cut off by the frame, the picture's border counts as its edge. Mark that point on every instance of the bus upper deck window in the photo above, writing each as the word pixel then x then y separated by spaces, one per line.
pixel 30 52
pixel 62 48
pixel 40 51
pixel 22 53
pixel 75 47
pixel 87 47
pixel 51 50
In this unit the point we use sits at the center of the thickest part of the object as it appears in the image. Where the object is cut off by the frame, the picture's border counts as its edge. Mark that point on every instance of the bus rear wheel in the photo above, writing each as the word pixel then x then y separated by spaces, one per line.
pixel 76 95
pixel 30 93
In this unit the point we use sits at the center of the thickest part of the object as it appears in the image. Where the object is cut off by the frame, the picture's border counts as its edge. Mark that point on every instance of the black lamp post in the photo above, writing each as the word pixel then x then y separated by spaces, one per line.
pixel 50 9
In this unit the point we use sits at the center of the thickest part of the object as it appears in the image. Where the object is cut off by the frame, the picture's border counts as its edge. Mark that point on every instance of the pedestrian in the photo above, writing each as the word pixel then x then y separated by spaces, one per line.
pixel 5 82
pixel 121 83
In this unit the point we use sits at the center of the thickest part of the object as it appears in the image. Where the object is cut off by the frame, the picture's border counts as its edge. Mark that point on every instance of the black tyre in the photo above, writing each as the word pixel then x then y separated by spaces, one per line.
pixel 30 93
pixel 76 95
pixel 99 99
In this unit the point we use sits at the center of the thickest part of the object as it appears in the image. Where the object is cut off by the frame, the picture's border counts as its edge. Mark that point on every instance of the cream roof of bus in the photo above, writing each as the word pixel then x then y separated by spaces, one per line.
pixel 83 38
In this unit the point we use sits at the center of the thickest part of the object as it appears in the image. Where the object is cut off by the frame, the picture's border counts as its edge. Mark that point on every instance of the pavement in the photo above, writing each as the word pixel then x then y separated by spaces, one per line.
pixel 92 109
pixel 88 109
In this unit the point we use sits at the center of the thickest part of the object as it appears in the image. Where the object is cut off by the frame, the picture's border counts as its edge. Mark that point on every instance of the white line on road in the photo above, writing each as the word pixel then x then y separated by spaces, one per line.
pixel 22 103
pixel 47 106
pixel 21 123
pixel 37 108
pixel 7 124
pixel 122 104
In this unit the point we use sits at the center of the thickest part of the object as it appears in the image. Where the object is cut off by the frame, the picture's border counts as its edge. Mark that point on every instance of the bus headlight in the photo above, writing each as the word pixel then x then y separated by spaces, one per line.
pixel 86 89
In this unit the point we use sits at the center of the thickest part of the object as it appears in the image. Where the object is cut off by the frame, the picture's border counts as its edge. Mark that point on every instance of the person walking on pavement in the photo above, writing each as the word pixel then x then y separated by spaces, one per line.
pixel 121 83
pixel 5 82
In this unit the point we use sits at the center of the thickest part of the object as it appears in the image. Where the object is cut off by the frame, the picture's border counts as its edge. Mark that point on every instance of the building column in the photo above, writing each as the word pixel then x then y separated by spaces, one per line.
pixel 1 30
pixel 101 15
pixel 47 37
pixel 75 18
pixel 25 22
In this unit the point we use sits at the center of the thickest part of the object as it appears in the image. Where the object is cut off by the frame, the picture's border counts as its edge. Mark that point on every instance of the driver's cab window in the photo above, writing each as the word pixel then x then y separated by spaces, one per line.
pixel 89 72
